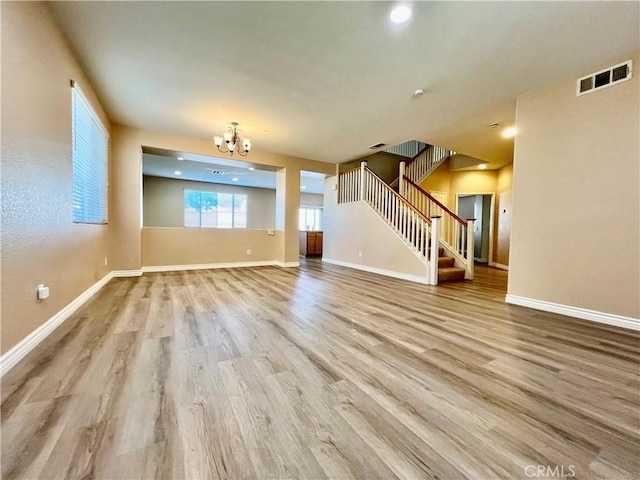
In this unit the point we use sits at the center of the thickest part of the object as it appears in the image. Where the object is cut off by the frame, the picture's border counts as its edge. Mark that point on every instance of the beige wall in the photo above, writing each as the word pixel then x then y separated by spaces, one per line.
pixel 127 142
pixel 385 165
pixel 454 182
pixel 40 243
pixel 504 210
pixel 188 246
pixel 472 181
pixel 163 201
pixel 576 223
pixel 311 199
pixel 439 181
pixel 505 178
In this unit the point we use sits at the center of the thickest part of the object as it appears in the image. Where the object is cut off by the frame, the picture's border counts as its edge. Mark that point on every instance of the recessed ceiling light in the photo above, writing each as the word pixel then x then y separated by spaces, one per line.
pixel 400 14
pixel 482 166
pixel 251 169
pixel 509 132
pixel 180 158
pixel 177 172
pixel 493 125
pixel 235 179
pixel 418 93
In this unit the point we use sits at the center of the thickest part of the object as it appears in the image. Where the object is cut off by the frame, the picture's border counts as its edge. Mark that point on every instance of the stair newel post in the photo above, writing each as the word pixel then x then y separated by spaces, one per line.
pixel 433 254
pixel 471 238
pixel 363 166
pixel 401 178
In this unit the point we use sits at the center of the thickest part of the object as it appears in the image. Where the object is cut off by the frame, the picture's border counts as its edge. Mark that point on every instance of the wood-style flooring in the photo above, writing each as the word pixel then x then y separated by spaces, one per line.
pixel 321 372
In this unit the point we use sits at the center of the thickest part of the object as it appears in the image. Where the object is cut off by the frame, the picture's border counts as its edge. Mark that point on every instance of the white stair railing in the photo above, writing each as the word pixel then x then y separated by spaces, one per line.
pixel 349 186
pixel 411 225
pixel 425 162
pixel 456 234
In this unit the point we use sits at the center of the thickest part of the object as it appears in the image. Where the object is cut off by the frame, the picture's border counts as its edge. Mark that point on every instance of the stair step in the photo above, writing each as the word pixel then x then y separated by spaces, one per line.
pixel 451 274
pixel 440 252
pixel 445 262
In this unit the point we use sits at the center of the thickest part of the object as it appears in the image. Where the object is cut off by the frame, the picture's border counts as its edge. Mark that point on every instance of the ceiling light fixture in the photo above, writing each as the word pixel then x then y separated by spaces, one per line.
pixel 400 14
pixel 177 172
pixel 180 158
pixel 482 166
pixel 251 169
pixel 233 141
pixel 234 179
pixel 509 132
pixel 303 187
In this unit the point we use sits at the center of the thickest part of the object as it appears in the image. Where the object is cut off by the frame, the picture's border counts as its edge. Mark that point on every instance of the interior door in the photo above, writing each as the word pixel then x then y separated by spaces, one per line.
pixel 435 210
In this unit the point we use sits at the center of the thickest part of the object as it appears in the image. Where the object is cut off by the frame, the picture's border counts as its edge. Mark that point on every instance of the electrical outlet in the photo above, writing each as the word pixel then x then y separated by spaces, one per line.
pixel 248 251
pixel 360 253
pixel 43 292
pixel 106 261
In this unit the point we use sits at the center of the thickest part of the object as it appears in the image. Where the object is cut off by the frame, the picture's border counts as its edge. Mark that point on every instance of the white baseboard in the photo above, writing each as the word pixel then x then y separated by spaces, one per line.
pixel 31 341
pixel 287 264
pixel 127 273
pixel 582 313
pixel 501 266
pixel 207 266
pixel 379 271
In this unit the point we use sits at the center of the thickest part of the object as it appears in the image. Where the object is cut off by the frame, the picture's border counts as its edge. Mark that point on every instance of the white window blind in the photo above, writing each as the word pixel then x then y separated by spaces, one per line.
pixel 90 154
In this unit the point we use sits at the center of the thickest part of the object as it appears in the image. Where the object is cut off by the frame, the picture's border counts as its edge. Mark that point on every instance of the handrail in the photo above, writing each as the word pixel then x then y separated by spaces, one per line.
pixel 400 197
pixel 417 155
pixel 350 170
pixel 443 207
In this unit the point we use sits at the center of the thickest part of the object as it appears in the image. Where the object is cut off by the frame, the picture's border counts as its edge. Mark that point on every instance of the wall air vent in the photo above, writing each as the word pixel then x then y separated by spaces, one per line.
pixel 377 145
pixel 605 78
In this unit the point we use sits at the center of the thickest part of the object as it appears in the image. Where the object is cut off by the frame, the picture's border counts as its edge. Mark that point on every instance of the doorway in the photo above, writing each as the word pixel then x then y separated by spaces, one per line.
pixel 480 207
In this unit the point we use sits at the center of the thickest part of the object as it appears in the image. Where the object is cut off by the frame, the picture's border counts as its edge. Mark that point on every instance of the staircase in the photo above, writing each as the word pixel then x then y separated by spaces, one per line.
pixel 423 160
pixel 456 235
pixel 447 271
pixel 418 228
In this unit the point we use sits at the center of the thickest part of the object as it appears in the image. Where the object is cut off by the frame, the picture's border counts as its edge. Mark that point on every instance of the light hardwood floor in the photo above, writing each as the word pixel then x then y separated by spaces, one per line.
pixel 321 372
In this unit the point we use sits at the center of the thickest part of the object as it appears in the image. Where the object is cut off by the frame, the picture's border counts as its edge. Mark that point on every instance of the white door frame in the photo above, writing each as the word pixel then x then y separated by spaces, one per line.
pixel 491 217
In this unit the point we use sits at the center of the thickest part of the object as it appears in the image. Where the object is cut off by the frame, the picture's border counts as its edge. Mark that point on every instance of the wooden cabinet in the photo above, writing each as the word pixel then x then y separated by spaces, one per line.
pixel 310 243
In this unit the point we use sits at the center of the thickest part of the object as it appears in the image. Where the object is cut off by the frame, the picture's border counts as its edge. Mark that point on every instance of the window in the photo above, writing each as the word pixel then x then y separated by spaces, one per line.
pixel 310 219
pixel 214 210
pixel 89 155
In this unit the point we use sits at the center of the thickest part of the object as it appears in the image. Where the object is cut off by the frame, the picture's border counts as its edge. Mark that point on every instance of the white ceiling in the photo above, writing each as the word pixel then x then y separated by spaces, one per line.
pixel 219 170
pixel 324 80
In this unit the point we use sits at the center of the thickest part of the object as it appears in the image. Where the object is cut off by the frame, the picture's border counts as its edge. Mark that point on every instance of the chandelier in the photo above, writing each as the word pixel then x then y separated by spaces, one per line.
pixel 233 142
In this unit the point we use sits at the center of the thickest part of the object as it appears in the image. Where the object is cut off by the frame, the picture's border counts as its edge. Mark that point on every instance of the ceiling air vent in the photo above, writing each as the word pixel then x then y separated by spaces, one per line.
pixel 605 78
pixel 377 145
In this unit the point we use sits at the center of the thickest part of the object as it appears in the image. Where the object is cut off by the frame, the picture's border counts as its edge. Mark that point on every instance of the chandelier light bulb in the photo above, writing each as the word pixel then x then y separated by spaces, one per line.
pixel 231 141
